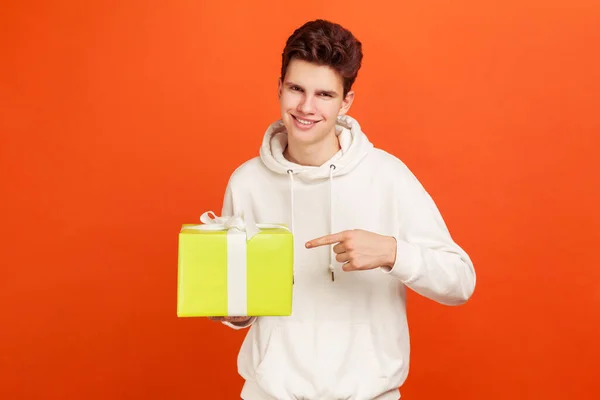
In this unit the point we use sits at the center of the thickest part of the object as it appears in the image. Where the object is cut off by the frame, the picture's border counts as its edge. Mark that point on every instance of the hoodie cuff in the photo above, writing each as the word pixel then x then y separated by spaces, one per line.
pixel 407 260
pixel 238 326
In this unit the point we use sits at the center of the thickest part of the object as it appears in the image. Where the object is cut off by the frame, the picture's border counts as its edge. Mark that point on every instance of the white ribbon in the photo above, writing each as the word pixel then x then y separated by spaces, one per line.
pixel 239 231
pixel 244 224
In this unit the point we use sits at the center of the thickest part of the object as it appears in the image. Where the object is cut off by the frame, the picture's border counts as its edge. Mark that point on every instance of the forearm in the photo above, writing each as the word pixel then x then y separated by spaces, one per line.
pixel 444 274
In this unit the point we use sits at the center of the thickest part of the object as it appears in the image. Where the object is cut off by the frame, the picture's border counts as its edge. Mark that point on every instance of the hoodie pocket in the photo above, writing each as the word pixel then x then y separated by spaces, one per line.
pixel 360 376
pixel 280 373
pixel 330 360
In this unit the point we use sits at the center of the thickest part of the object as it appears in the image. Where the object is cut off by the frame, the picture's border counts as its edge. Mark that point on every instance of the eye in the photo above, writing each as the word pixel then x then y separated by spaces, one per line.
pixel 325 95
pixel 295 88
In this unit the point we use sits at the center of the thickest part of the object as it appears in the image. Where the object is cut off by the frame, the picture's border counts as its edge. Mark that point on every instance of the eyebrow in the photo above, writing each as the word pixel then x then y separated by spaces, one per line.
pixel 331 93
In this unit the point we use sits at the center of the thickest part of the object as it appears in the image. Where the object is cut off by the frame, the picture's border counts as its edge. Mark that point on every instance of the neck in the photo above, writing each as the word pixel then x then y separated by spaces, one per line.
pixel 314 154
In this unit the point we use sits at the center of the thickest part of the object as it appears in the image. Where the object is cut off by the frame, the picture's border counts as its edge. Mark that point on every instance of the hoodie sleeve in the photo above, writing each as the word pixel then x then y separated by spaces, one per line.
pixel 227 210
pixel 428 261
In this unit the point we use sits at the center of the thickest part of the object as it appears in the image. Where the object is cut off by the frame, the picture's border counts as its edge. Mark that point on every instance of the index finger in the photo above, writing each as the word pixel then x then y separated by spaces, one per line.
pixel 326 240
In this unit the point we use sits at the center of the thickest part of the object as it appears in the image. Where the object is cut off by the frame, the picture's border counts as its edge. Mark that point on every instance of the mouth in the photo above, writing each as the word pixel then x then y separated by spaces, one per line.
pixel 304 122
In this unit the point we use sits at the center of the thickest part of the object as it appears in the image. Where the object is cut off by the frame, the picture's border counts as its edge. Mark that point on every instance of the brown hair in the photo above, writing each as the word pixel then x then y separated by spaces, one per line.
pixel 325 43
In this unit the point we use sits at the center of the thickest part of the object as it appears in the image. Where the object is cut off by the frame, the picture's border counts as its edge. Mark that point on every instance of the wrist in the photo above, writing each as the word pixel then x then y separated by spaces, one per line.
pixel 390 254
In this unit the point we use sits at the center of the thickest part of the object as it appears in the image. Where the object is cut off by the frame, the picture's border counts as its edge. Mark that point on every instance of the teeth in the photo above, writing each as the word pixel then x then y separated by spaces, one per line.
pixel 304 122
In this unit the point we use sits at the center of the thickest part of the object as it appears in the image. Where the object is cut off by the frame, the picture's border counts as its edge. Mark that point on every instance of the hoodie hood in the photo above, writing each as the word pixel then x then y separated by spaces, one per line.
pixel 353 142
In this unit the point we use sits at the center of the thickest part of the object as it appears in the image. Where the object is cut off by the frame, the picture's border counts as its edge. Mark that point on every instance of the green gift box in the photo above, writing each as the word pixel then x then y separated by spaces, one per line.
pixel 230 266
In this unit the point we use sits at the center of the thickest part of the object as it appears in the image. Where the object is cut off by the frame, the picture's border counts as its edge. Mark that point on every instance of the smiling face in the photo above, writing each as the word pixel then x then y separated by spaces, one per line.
pixel 311 97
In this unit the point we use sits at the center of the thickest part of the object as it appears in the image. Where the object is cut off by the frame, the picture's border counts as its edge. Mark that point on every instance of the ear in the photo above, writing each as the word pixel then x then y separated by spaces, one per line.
pixel 279 88
pixel 346 103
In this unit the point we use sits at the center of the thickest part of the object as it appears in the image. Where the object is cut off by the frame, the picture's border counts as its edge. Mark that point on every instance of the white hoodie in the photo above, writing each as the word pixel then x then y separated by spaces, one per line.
pixel 347 338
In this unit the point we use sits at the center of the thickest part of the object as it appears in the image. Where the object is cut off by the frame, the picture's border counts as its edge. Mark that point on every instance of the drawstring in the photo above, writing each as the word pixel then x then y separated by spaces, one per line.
pixel 291 174
pixel 331 253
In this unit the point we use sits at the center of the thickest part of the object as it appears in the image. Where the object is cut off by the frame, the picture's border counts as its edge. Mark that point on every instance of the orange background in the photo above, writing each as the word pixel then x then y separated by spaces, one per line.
pixel 121 120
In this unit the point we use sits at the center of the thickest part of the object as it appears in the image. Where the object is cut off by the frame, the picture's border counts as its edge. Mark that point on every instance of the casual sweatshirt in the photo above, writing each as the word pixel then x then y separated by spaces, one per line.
pixel 347 337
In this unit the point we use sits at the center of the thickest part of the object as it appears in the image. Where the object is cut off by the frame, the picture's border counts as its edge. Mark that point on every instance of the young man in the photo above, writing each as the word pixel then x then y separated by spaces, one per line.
pixel 364 229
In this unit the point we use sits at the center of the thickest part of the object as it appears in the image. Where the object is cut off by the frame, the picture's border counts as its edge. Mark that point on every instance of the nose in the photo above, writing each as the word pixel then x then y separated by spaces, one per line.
pixel 306 105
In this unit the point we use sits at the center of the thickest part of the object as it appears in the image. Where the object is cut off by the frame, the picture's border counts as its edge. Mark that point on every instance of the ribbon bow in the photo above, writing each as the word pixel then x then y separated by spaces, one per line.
pixel 244 224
